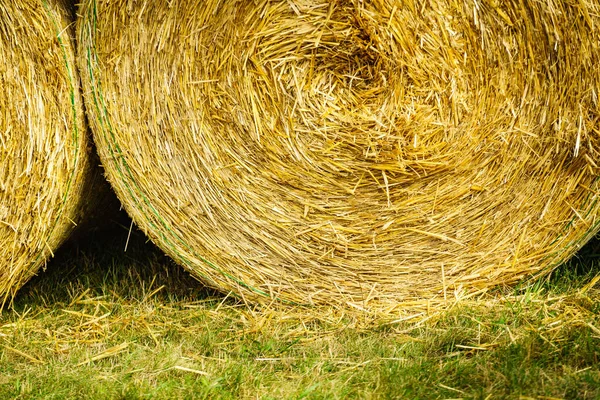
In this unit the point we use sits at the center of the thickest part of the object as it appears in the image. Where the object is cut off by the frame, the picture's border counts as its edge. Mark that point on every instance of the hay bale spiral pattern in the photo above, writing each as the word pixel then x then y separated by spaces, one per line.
pixel 44 162
pixel 371 153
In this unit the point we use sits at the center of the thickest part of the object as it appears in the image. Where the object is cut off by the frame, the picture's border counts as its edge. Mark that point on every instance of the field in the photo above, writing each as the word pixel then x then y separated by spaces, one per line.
pixel 102 322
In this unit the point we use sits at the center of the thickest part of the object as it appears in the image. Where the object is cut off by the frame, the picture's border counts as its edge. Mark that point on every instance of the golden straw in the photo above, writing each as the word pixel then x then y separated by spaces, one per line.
pixel 44 163
pixel 370 154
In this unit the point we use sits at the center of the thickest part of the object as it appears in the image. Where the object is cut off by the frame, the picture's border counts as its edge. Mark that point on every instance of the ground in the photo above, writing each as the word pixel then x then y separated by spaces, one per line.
pixel 108 324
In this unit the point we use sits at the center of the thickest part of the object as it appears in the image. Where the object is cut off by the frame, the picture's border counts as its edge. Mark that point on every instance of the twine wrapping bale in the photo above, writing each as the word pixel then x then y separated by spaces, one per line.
pixel 376 154
pixel 44 163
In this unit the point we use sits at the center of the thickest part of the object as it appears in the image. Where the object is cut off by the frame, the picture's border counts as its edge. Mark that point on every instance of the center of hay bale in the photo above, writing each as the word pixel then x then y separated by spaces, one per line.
pixel 348 151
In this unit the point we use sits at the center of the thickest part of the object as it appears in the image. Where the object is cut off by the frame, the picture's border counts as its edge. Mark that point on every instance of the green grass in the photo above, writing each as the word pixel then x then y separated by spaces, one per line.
pixel 101 323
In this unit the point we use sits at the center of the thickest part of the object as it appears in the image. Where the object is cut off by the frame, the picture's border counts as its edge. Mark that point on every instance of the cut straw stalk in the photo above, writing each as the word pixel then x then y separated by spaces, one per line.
pixel 44 161
pixel 372 154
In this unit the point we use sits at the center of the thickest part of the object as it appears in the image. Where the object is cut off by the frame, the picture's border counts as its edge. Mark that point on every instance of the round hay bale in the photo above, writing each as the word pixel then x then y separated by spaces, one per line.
pixel 44 162
pixel 369 153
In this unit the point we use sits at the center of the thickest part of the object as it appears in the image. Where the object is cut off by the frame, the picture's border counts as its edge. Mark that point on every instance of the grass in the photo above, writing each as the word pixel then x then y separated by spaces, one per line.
pixel 104 323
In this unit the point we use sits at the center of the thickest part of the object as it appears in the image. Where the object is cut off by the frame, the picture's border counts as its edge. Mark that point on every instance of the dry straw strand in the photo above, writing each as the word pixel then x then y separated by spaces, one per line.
pixel 367 154
pixel 44 162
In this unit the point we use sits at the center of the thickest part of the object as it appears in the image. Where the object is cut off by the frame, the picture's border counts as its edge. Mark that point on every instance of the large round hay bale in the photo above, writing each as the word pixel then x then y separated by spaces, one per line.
pixel 371 153
pixel 44 162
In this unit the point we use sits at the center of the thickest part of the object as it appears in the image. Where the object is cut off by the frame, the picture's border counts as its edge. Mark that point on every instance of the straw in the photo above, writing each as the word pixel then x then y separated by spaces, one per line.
pixel 44 163
pixel 363 154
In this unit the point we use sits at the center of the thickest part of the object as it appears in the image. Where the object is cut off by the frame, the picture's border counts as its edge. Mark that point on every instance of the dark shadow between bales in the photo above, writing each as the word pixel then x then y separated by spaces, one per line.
pixel 117 260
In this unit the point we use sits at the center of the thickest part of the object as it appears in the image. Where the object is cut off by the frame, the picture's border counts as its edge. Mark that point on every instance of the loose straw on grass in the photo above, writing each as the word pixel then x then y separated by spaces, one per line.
pixel 44 162
pixel 369 154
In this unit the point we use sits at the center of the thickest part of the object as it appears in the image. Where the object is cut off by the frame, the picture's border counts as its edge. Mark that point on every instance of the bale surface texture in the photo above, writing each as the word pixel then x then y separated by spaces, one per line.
pixel 44 163
pixel 373 154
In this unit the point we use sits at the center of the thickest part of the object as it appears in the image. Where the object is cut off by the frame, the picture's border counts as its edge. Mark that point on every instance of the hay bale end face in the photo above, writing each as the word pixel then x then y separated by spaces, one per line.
pixel 373 154
pixel 44 161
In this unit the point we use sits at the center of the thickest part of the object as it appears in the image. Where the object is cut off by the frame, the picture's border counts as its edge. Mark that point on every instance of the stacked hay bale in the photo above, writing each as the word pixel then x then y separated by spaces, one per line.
pixel 372 154
pixel 44 162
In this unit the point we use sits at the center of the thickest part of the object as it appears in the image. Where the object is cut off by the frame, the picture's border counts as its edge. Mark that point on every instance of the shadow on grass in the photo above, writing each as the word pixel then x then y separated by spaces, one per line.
pixel 576 272
pixel 118 261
